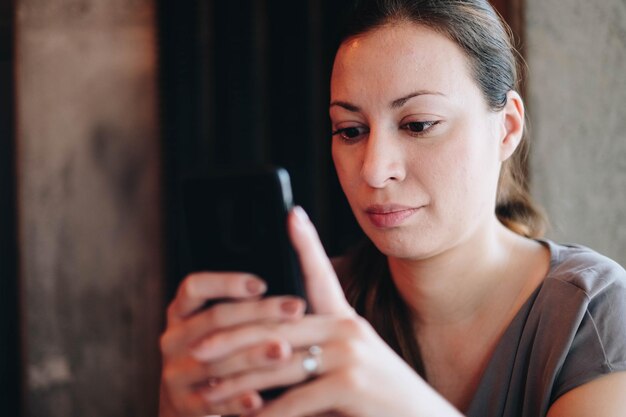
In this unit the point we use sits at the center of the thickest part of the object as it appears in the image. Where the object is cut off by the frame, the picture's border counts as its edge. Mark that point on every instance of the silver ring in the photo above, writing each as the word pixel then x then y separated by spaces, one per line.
pixel 312 361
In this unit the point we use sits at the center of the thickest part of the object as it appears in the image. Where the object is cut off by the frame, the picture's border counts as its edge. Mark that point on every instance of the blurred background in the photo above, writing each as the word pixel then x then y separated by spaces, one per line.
pixel 106 105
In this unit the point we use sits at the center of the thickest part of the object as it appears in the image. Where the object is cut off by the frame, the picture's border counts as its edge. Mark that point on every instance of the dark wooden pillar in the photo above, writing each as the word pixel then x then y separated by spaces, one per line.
pixel 88 164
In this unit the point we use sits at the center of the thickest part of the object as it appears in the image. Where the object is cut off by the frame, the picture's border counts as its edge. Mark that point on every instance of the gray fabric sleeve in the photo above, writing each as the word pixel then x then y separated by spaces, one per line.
pixel 599 344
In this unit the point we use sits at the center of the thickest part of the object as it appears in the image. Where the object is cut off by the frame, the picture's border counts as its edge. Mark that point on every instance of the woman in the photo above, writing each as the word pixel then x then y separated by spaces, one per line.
pixel 452 307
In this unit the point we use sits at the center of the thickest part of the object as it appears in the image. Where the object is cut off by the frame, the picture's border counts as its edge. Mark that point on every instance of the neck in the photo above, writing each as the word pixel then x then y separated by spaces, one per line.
pixel 452 287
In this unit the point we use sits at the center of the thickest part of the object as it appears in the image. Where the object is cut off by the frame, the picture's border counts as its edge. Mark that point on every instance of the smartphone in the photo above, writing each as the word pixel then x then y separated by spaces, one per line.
pixel 237 221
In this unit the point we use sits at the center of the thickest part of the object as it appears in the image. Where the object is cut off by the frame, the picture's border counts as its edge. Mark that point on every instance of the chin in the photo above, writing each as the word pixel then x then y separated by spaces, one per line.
pixel 403 244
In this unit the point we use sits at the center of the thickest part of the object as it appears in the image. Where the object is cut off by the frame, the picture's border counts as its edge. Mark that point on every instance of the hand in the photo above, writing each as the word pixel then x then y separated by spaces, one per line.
pixel 358 374
pixel 184 378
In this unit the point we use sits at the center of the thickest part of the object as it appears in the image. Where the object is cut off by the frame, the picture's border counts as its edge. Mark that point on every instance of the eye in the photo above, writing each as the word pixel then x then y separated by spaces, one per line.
pixel 351 133
pixel 417 128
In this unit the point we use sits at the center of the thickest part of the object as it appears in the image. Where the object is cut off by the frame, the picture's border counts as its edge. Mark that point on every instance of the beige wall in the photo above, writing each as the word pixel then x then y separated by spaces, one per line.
pixel 576 51
pixel 89 227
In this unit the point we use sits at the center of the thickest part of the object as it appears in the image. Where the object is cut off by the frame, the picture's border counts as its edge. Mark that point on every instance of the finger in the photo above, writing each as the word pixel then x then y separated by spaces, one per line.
pixel 323 288
pixel 181 336
pixel 197 405
pixel 310 330
pixel 265 356
pixel 197 288
pixel 332 357
pixel 185 372
pixel 319 396
pixel 186 377
pixel 181 373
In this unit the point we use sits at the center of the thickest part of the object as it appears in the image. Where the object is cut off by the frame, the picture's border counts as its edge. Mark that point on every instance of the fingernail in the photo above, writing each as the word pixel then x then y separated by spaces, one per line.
pixel 274 351
pixel 290 306
pixel 303 218
pixel 254 286
pixel 249 403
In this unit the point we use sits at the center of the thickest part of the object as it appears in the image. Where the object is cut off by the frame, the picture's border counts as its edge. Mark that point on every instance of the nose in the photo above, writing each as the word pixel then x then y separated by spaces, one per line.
pixel 383 159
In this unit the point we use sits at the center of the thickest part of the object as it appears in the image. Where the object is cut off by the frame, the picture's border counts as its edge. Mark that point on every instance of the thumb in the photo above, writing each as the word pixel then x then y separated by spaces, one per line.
pixel 323 289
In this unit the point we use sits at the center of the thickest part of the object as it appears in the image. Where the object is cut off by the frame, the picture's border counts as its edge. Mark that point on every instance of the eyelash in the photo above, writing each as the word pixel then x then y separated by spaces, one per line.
pixel 426 127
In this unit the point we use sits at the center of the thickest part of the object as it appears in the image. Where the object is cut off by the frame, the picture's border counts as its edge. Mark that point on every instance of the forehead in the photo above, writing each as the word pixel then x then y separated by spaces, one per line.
pixel 396 58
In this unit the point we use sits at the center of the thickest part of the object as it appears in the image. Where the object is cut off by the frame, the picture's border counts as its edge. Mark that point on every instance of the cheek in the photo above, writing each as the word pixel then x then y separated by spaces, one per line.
pixel 463 172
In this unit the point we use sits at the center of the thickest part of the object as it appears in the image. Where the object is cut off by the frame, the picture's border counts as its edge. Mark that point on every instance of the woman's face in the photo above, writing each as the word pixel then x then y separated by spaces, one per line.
pixel 416 148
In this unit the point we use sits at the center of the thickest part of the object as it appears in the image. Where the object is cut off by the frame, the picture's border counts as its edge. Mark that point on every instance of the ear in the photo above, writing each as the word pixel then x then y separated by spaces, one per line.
pixel 513 124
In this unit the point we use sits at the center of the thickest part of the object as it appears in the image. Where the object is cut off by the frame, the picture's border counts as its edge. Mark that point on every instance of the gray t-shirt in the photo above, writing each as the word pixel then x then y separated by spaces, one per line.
pixel 570 331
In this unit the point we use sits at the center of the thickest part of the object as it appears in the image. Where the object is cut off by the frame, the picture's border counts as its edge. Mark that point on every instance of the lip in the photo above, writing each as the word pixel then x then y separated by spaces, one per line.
pixel 389 215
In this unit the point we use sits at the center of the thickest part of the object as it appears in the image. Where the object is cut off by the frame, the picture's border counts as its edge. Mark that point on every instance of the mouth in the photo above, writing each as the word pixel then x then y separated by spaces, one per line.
pixel 388 216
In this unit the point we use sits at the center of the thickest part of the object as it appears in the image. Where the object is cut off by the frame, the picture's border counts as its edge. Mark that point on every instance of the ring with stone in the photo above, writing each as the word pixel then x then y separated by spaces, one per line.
pixel 312 361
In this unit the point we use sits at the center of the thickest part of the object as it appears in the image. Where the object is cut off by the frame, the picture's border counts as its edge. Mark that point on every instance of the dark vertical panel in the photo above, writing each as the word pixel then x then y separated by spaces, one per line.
pixel 186 108
pixel 291 104
pixel 239 135
pixel 318 99
pixel 10 378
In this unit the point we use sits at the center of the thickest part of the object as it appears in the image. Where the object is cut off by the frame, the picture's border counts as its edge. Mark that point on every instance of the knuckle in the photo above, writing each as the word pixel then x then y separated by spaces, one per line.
pixel 179 404
pixel 171 310
pixel 170 341
pixel 220 341
pixel 353 326
pixel 361 322
pixel 352 349
pixel 351 379
pixel 363 327
pixel 164 342
pixel 186 288
pixel 169 376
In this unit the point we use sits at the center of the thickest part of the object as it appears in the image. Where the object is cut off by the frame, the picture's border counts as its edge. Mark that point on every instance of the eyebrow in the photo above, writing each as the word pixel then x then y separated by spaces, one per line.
pixel 345 105
pixel 402 100
pixel 399 102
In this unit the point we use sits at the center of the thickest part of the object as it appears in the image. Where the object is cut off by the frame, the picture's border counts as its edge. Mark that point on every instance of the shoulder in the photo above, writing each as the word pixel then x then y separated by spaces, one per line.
pixel 589 271
pixel 590 289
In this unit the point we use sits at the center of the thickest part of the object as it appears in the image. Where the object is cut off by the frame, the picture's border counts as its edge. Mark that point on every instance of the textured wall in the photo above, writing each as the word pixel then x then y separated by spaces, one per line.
pixel 576 50
pixel 88 168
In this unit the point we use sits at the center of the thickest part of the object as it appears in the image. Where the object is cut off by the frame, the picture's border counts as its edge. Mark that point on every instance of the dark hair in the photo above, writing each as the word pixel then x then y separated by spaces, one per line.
pixel 487 42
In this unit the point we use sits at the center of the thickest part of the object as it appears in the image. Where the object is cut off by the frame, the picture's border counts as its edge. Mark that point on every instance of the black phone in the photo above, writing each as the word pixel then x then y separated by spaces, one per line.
pixel 237 221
